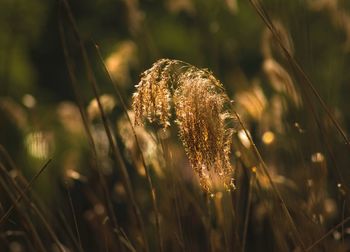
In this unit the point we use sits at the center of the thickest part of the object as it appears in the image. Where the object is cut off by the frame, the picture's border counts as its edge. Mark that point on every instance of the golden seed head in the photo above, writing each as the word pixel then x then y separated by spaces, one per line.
pixel 202 115
pixel 152 99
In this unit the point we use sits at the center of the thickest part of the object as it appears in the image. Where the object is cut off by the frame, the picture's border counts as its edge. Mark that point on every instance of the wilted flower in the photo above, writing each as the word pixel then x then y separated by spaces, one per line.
pixel 281 81
pixel 339 16
pixel 318 5
pixel 269 46
pixel 69 116
pixel 253 100
pixel 176 6
pixel 108 103
pixel 134 15
pixel 120 62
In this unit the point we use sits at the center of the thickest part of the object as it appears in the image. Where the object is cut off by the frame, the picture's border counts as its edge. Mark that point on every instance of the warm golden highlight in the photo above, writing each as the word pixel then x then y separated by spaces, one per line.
pixel 202 115
pixel 152 99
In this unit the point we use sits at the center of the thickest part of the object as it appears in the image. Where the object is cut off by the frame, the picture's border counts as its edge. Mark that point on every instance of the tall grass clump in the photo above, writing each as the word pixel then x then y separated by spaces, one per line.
pixel 172 163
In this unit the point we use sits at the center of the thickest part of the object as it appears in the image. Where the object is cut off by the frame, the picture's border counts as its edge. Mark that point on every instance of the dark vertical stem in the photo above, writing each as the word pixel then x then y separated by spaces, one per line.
pixel 247 213
pixel 26 189
pixel 74 84
pixel 112 142
pixel 68 229
pixel 22 195
pixel 297 68
pixel 74 218
pixel 297 235
pixel 28 223
pixel 152 189
pixel 168 163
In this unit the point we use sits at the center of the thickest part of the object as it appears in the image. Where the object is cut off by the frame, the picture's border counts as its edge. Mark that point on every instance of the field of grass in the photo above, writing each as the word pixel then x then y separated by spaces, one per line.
pixel 174 125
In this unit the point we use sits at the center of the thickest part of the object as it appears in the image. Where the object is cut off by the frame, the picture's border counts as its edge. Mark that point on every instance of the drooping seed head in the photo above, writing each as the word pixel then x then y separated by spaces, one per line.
pixel 202 111
pixel 202 117
pixel 152 99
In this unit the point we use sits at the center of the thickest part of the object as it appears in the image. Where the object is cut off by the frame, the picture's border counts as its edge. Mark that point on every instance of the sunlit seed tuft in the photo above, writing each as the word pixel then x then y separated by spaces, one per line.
pixel 202 111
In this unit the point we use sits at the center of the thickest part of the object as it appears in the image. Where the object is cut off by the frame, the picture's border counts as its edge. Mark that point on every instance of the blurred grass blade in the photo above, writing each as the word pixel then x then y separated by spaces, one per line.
pixel 25 191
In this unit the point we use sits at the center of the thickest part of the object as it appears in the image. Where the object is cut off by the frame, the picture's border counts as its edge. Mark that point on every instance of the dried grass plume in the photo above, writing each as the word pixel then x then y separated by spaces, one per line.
pixel 202 111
